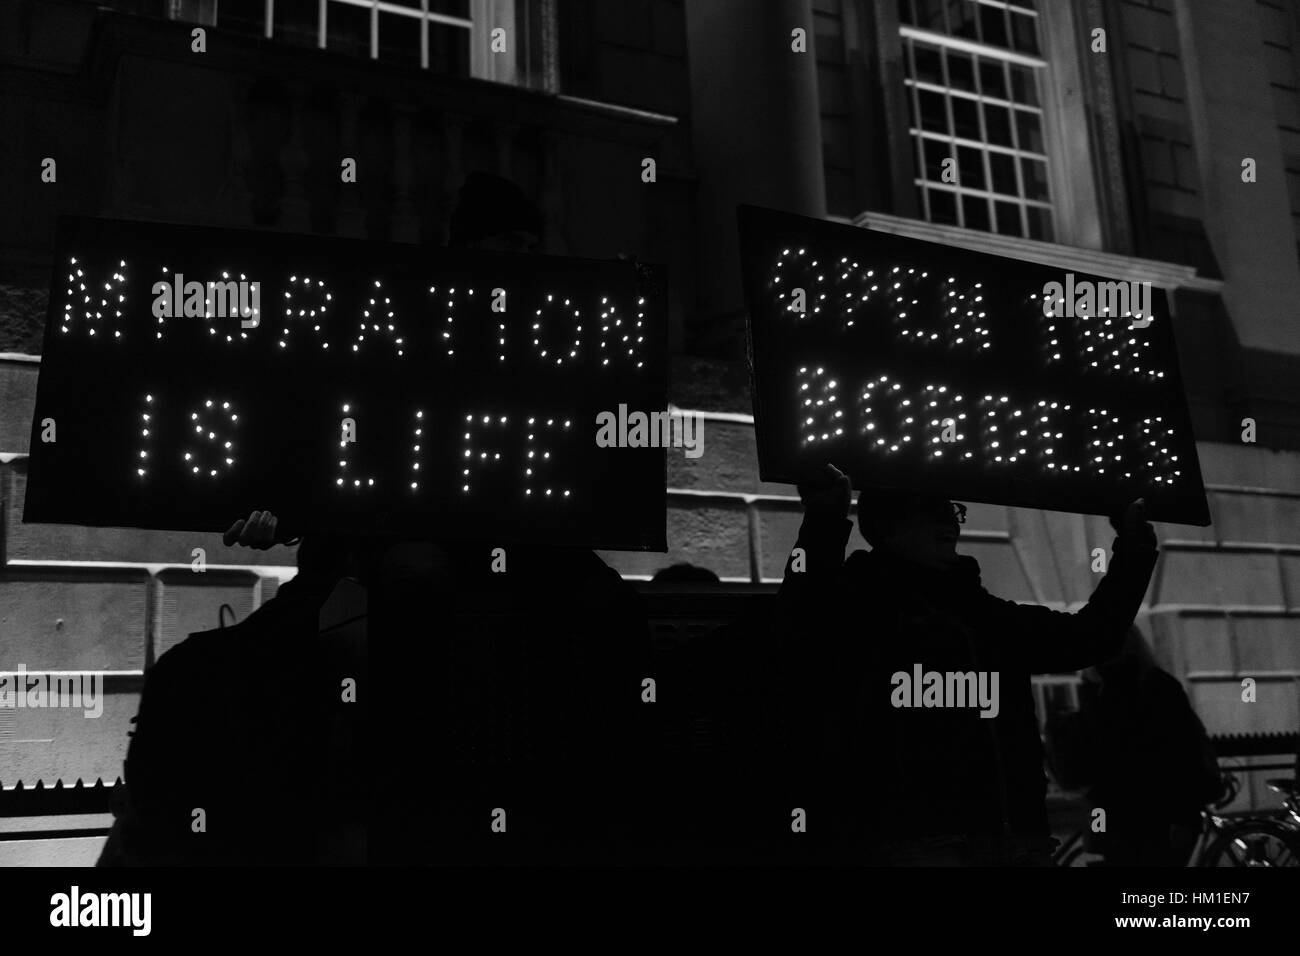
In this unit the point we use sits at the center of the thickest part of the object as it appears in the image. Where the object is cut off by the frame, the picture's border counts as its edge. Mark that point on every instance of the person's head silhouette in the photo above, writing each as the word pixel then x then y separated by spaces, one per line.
pixel 491 214
pixel 494 215
pixel 1129 666
pixel 919 528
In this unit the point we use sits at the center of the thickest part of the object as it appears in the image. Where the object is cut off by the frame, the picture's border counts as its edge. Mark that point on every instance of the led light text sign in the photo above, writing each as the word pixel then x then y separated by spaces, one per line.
pixel 915 365
pixel 365 386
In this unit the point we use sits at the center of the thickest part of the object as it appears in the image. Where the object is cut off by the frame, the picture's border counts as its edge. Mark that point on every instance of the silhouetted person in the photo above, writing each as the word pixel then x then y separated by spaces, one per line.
pixel 930 785
pixel 493 214
pixel 519 692
pixel 523 694
pixel 683 572
pixel 1138 742
pixel 245 750
pixel 532 676
pixel 516 690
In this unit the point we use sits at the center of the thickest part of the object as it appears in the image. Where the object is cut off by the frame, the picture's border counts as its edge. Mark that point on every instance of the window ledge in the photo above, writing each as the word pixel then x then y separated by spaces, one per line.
pixel 1165 275
pixel 617 111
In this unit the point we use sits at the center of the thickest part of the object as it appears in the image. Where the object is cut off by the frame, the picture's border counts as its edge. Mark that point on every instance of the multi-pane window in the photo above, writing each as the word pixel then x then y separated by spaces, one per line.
pixel 444 36
pixel 974 73
pixel 434 34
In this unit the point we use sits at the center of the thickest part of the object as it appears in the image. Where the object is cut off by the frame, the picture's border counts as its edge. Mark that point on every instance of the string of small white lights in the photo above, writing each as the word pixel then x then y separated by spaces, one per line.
pixel 210 314
pixel 483 456
pixel 314 312
pixel 86 312
pixel 1098 339
pixel 900 288
pixel 204 440
pixel 380 325
pixel 890 416
pixel 564 309
pixel 537 455
pixel 348 436
pixel 226 453
pixel 417 453
pixel 445 306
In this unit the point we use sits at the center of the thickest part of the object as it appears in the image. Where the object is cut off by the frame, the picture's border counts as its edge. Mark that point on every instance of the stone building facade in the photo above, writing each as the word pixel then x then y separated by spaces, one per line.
pixel 1125 159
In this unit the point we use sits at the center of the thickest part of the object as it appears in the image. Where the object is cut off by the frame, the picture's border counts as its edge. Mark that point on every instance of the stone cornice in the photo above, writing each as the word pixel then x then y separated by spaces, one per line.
pixel 1165 275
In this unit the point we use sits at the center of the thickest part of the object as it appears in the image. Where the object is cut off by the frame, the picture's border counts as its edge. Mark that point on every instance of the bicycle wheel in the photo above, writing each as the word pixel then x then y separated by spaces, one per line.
pixel 1254 843
pixel 1074 852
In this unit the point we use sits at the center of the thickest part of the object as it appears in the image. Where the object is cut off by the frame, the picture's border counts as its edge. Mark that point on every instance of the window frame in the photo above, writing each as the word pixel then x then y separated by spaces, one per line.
pixel 920 135
pixel 1067 127
pixel 484 16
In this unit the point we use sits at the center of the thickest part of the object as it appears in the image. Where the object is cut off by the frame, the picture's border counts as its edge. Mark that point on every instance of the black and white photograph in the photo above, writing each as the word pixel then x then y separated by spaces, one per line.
pixel 649 441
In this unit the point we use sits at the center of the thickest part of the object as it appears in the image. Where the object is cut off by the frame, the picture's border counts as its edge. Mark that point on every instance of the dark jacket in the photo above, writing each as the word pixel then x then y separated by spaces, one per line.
pixel 1145 754
pixel 897 772
pixel 526 696
pixel 518 690
pixel 249 725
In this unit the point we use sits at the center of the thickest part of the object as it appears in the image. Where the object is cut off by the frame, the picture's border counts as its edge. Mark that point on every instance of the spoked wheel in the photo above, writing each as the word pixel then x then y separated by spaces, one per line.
pixel 1255 843
pixel 1074 852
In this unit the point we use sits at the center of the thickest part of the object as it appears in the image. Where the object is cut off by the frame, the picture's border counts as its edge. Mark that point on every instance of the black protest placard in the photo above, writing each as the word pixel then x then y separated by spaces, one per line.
pixel 194 374
pixel 914 365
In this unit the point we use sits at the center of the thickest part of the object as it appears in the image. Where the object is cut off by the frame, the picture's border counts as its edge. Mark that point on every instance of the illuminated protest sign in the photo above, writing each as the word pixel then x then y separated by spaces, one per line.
pixel 196 374
pixel 911 364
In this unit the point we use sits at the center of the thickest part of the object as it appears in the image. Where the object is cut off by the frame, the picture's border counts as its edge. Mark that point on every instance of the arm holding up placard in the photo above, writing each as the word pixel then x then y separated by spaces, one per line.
pixel 818 554
pixel 246 752
pixel 323 559
pixel 810 687
pixel 1048 641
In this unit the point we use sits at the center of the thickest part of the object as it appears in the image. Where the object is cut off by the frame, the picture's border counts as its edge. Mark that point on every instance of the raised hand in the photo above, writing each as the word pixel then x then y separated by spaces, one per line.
pixel 256 531
pixel 1133 527
pixel 828 495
